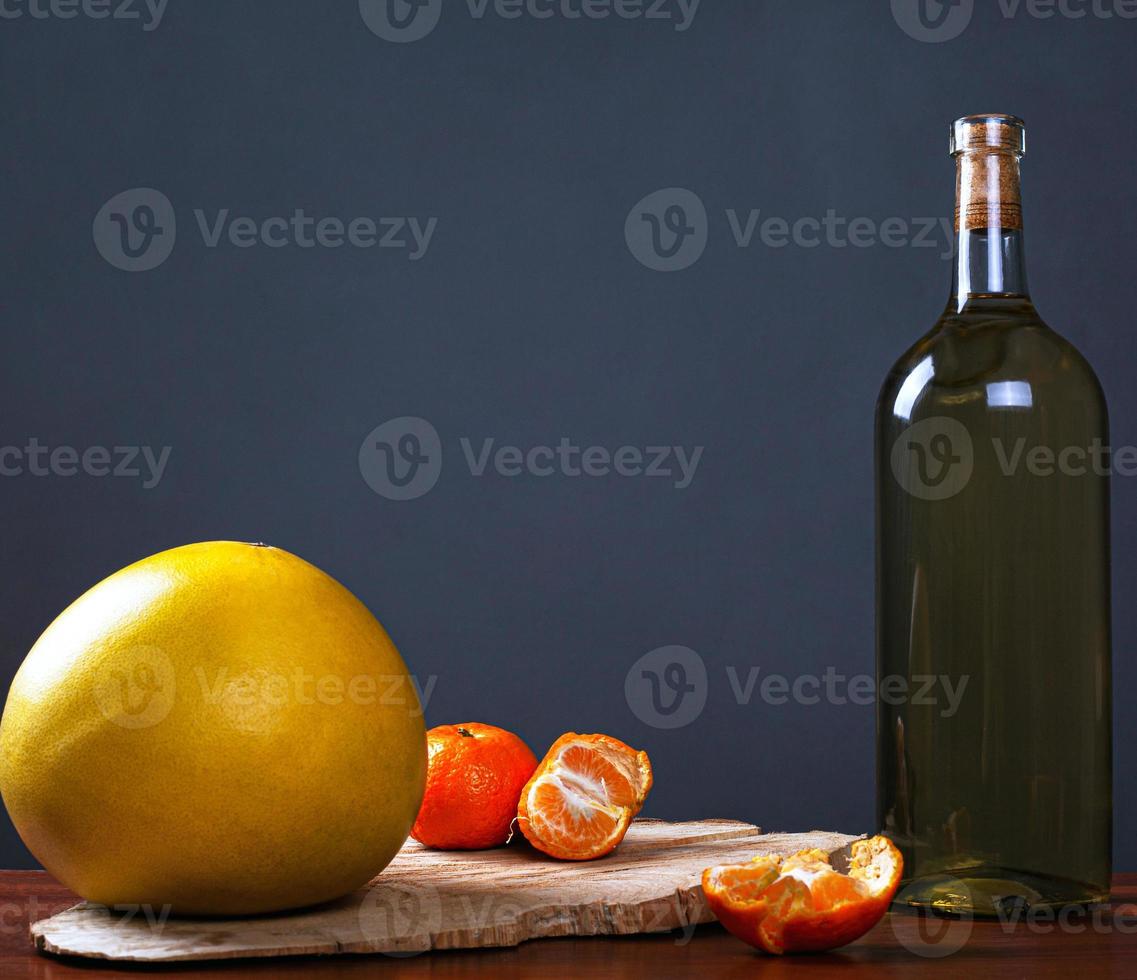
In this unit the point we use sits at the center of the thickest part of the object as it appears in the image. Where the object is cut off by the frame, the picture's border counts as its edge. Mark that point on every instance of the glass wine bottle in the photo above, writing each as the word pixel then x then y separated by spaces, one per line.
pixel 993 610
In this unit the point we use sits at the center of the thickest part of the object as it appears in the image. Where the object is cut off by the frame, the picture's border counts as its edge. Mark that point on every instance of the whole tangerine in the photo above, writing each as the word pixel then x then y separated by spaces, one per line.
pixel 475 774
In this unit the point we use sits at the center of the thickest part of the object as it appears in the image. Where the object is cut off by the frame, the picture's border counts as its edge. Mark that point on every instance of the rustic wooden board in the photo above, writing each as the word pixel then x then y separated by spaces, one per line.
pixel 451 900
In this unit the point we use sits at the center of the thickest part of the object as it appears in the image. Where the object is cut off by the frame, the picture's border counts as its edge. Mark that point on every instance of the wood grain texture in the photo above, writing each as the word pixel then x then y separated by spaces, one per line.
pixel 991 950
pixel 453 900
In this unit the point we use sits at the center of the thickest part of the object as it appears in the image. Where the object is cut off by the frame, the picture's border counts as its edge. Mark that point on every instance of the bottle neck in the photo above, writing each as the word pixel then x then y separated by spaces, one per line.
pixel 989 256
pixel 989 263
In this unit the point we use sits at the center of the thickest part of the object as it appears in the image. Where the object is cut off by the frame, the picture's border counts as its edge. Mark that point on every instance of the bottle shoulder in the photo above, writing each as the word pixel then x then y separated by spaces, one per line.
pixel 1011 356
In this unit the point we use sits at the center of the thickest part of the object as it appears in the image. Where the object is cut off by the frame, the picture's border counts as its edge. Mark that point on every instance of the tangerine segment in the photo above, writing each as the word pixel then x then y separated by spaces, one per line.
pixel 583 796
pixel 801 903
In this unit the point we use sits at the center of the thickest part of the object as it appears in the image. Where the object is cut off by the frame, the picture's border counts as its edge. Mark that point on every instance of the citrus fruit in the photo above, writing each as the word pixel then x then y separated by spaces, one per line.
pixel 801 903
pixel 220 729
pixel 583 796
pixel 473 779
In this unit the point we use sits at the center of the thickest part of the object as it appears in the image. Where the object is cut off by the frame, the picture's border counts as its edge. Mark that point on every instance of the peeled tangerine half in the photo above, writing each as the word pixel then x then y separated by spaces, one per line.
pixel 583 796
pixel 801 903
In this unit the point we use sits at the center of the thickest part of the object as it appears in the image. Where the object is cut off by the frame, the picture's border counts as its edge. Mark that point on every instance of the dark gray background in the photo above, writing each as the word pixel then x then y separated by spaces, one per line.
pixel 529 320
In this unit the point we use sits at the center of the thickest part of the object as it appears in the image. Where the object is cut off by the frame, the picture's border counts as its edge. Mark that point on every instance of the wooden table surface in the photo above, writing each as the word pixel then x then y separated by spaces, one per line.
pixel 1102 945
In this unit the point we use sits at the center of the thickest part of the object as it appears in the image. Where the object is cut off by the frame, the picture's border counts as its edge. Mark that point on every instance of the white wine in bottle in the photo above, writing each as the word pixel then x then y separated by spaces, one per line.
pixel 993 580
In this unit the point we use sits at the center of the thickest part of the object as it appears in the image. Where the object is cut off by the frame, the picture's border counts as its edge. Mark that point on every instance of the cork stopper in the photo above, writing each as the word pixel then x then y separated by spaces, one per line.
pixel 987 149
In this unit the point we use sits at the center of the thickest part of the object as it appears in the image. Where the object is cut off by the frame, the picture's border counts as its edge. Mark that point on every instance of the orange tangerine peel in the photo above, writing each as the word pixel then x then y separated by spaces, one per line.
pixel 801 903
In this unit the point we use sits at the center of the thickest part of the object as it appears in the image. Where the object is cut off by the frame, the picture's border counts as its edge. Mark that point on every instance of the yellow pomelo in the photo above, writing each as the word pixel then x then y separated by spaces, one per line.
pixel 222 729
